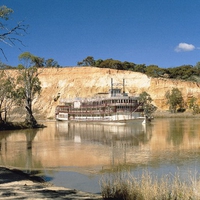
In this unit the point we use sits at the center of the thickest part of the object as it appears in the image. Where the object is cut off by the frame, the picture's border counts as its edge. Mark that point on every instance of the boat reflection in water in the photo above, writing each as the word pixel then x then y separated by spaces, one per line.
pixel 102 133
pixel 110 143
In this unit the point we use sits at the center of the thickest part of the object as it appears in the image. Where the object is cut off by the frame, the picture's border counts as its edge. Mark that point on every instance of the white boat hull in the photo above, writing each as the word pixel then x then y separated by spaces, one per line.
pixel 112 118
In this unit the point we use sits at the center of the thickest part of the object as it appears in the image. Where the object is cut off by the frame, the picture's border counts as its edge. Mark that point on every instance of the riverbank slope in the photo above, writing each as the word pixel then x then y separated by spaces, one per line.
pixel 15 184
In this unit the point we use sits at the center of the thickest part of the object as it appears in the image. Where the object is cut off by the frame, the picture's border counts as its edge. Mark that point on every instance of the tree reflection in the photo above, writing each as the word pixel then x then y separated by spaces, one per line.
pixel 25 159
pixel 176 132
pixel 30 135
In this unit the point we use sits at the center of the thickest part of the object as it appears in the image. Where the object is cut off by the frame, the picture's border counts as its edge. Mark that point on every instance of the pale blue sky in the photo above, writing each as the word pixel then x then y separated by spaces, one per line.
pixel 161 32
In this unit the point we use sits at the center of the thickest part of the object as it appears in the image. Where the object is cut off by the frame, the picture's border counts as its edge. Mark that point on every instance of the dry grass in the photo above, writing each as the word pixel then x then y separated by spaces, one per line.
pixel 149 187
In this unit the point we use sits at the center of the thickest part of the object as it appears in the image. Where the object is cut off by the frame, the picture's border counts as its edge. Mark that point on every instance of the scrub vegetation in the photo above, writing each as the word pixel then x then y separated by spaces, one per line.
pixel 149 187
pixel 184 72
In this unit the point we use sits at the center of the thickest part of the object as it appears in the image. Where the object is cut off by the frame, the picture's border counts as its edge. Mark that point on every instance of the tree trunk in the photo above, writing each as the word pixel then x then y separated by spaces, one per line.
pixel 30 119
pixel 1 119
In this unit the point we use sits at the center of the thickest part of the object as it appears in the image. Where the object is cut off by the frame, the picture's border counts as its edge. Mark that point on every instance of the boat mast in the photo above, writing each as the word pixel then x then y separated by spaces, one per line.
pixel 123 86
pixel 111 87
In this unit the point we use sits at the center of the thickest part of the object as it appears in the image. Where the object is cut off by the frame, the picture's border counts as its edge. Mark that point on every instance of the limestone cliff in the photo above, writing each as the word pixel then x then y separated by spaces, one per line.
pixel 87 81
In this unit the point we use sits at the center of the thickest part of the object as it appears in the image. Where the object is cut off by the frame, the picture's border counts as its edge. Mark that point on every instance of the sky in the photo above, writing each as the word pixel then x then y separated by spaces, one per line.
pixel 159 32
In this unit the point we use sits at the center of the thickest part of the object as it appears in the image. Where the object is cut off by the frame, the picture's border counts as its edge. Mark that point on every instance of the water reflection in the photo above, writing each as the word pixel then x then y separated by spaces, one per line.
pixel 91 148
pixel 114 140
pixel 103 134
pixel 16 149
pixel 88 144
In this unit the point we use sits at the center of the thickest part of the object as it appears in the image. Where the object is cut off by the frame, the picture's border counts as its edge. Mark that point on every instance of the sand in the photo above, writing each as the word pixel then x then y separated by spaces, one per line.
pixel 15 184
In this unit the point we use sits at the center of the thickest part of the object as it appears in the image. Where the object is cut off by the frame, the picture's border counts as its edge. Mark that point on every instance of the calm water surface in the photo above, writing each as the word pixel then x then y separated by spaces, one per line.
pixel 76 155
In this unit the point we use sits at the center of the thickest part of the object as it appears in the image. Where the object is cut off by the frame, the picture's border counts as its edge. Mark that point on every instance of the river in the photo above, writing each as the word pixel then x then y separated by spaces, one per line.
pixel 77 155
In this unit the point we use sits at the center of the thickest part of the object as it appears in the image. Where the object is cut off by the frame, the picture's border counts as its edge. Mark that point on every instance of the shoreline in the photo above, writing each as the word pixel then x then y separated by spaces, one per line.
pixel 167 114
pixel 15 184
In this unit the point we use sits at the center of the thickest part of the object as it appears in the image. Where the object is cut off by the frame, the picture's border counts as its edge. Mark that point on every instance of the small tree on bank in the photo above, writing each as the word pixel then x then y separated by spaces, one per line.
pixel 194 106
pixel 6 95
pixel 174 99
pixel 148 107
pixel 29 86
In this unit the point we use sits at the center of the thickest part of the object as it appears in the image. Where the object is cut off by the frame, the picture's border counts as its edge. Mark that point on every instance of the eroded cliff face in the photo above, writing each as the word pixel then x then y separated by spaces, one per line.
pixel 84 82
pixel 87 81
pixel 160 86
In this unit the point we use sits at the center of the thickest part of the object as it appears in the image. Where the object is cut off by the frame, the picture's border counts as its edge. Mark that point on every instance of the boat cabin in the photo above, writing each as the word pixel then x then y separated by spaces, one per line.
pixel 116 92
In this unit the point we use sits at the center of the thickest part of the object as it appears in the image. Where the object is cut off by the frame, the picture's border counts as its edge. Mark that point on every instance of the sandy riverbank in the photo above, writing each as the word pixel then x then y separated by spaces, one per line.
pixel 14 184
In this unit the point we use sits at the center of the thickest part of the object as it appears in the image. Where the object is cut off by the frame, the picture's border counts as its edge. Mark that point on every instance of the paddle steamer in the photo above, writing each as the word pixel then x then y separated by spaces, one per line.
pixel 116 105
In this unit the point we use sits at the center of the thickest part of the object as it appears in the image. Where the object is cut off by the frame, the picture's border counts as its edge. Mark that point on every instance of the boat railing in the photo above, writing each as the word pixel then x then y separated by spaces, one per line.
pixel 90 99
pixel 82 100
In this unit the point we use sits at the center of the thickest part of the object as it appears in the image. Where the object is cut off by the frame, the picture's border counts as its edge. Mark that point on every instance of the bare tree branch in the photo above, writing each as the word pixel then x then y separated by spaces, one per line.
pixel 3 54
pixel 11 36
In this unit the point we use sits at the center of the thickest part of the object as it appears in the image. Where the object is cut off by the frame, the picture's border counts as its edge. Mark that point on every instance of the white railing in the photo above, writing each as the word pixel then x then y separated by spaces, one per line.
pixel 90 99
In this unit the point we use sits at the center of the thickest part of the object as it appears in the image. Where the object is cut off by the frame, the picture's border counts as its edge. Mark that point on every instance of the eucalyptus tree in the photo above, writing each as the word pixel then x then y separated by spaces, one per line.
pixel 197 67
pixel 146 101
pixel 194 105
pixel 51 63
pixel 37 61
pixel 174 99
pixel 6 95
pixel 140 68
pixel 88 61
pixel 154 71
pixel 10 35
pixel 112 64
pixel 98 62
pixel 29 86
pixel 2 66
pixel 129 66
